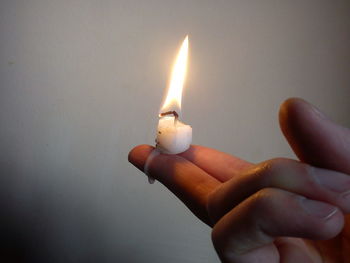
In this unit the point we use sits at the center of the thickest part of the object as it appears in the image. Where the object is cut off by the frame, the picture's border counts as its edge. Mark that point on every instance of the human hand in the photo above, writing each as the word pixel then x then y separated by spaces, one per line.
pixel 276 211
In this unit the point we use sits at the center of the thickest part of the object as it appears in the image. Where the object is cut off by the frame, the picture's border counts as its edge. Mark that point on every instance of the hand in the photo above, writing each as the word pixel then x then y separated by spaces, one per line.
pixel 276 211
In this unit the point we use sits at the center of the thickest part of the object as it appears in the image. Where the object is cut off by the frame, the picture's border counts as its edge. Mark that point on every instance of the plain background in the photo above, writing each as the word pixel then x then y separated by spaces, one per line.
pixel 81 84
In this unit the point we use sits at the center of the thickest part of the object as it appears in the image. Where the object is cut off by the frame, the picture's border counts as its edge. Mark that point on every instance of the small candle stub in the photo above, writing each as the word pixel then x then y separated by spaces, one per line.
pixel 173 136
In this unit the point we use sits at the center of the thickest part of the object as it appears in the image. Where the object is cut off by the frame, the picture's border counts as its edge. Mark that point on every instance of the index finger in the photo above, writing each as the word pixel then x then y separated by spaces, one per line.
pixel 218 164
pixel 187 181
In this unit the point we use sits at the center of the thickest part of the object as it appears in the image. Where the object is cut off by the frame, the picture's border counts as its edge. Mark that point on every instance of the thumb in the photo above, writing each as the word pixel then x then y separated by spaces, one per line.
pixel 313 137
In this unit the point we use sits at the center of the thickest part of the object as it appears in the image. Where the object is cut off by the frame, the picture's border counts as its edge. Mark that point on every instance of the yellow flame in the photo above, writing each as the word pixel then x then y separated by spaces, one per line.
pixel 178 74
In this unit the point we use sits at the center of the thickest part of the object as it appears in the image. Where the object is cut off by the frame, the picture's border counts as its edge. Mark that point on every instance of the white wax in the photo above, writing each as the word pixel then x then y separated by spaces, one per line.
pixel 173 137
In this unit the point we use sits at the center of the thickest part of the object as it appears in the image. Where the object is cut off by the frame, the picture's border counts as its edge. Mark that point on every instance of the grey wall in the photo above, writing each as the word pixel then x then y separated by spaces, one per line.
pixel 81 83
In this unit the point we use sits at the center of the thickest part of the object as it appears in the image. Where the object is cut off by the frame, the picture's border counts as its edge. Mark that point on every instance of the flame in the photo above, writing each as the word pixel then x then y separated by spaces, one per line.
pixel 178 74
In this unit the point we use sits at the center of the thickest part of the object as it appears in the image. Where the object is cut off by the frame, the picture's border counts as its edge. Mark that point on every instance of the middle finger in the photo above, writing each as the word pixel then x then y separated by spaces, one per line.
pixel 314 183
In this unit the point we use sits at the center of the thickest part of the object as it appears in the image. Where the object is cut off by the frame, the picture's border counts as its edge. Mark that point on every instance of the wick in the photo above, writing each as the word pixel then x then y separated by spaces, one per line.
pixel 170 113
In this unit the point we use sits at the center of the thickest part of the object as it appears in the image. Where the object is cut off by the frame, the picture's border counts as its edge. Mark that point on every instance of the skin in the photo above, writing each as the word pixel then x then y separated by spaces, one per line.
pixel 280 210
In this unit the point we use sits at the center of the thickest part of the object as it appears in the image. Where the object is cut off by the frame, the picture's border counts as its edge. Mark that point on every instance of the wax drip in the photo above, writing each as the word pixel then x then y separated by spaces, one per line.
pixel 150 157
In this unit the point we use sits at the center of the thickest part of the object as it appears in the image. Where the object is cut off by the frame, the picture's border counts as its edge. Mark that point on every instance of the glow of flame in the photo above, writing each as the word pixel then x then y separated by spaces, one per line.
pixel 178 74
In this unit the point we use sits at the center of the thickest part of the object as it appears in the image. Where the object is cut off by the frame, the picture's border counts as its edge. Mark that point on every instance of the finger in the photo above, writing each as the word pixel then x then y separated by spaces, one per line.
pixel 186 180
pixel 314 138
pixel 315 183
pixel 248 231
pixel 139 155
pixel 220 165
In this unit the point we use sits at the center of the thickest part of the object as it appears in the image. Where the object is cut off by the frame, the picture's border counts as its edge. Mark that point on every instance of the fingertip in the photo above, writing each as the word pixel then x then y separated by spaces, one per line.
pixel 300 123
pixel 139 154
pixel 291 110
pixel 314 138
pixel 325 228
pixel 292 101
pixel 285 108
pixel 296 111
pixel 333 225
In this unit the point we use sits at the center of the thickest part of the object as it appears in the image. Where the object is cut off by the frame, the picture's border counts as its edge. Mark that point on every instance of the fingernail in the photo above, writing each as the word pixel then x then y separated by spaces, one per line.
pixel 334 181
pixel 318 209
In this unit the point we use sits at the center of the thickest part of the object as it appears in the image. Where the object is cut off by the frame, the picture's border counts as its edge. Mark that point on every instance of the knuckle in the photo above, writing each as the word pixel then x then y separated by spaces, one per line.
pixel 305 169
pixel 268 170
pixel 271 170
pixel 262 199
pixel 280 164
pixel 309 172
pixel 309 176
pixel 276 164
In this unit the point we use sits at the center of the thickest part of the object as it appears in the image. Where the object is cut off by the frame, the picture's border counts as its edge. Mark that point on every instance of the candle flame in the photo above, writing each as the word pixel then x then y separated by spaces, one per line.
pixel 178 74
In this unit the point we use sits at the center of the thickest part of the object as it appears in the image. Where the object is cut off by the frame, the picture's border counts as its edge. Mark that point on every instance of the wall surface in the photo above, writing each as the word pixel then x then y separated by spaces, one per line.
pixel 81 83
